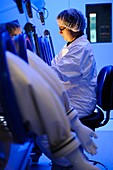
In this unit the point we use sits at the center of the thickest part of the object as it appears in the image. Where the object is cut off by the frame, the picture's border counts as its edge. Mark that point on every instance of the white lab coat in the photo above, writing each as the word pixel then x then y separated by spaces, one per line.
pixel 41 107
pixel 75 65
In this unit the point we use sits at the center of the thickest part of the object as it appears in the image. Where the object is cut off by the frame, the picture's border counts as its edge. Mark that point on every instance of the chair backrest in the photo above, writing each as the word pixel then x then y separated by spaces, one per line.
pixel 105 88
pixel 101 114
pixel 10 106
pixel 105 91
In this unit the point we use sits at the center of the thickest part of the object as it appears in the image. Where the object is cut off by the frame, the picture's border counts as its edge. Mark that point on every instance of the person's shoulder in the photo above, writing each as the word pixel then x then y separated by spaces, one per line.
pixel 83 41
pixel 79 42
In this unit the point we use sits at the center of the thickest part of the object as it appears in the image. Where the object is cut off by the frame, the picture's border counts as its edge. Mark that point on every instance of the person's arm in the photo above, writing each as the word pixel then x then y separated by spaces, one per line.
pixel 68 70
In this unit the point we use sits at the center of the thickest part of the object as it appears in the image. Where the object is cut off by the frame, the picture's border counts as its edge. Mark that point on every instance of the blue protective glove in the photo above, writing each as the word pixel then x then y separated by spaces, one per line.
pixel 85 135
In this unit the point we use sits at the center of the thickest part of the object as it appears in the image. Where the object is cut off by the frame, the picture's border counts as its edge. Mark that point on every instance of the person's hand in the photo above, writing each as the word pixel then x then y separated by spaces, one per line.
pixel 85 135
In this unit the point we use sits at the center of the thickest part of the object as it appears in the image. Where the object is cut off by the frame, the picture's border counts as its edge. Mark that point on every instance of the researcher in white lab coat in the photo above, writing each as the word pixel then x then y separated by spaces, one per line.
pixel 75 64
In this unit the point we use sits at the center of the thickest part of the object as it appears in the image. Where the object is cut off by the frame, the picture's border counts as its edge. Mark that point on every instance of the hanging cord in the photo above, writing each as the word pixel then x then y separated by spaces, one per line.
pixel 42 14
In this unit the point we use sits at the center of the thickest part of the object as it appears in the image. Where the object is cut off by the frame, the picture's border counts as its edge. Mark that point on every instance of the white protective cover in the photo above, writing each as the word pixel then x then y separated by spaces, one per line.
pixel 40 106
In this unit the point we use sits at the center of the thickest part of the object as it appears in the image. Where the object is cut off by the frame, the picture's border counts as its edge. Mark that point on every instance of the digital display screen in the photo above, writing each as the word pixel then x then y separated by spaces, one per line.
pixel 93 34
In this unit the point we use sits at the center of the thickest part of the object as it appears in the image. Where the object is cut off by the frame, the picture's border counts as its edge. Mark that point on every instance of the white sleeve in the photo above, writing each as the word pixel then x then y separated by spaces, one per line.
pixel 68 68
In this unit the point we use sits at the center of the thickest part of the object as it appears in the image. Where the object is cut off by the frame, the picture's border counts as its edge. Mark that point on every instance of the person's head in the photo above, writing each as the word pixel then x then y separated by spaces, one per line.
pixel 71 22
pixel 13 28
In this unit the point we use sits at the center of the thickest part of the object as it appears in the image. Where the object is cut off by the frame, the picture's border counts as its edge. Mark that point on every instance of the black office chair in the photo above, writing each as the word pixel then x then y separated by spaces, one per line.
pixel 101 114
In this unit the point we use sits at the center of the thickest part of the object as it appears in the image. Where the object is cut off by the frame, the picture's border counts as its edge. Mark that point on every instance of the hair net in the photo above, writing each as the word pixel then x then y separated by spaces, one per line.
pixel 72 19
